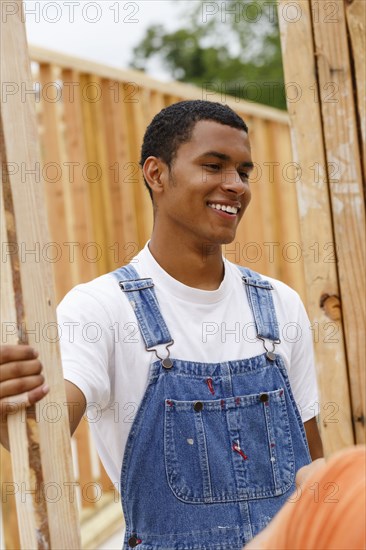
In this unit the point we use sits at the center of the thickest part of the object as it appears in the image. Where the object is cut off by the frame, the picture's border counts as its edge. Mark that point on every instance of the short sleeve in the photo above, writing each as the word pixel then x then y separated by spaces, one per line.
pixel 302 372
pixel 86 342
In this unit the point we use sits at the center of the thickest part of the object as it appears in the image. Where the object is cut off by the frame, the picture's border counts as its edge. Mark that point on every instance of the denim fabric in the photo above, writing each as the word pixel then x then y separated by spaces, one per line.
pixel 214 448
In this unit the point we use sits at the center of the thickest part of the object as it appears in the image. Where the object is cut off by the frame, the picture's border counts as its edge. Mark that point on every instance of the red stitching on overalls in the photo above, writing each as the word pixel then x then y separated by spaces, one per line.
pixel 281 393
pixel 222 403
pixel 237 400
pixel 237 449
pixel 170 403
pixel 210 385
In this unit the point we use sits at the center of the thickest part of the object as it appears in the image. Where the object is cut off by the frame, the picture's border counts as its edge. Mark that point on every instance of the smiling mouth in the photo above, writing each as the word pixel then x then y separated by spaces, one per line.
pixel 232 210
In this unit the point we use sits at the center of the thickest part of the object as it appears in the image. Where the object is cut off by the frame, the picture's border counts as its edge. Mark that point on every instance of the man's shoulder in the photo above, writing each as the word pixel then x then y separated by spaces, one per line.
pixel 103 284
pixel 102 292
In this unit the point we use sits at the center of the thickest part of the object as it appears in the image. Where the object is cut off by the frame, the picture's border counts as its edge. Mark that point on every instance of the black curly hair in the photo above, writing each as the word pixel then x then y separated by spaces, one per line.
pixel 174 125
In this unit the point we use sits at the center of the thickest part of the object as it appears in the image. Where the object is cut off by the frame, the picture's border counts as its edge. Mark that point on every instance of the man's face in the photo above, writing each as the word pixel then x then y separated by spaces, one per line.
pixel 208 190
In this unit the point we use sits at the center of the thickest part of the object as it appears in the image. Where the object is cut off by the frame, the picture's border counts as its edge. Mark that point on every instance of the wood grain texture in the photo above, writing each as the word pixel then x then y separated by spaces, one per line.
pixel 291 248
pixel 137 117
pixel 94 174
pixel 20 475
pixel 80 214
pixel 183 91
pixel 316 229
pixel 356 24
pixel 21 145
pixel 54 178
pixel 343 154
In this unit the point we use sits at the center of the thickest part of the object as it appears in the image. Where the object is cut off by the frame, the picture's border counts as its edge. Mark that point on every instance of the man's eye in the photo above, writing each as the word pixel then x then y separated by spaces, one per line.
pixel 243 175
pixel 213 167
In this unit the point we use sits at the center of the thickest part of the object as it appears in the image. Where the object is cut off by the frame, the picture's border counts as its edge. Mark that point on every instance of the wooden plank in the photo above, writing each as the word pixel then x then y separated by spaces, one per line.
pixel 21 146
pixel 316 229
pixel 268 220
pixel 156 103
pixel 53 170
pixel 183 91
pixel 94 174
pixel 347 197
pixel 17 424
pixel 250 237
pixel 289 254
pixel 106 519
pixel 356 23
pixel 10 532
pixel 111 218
pixel 137 117
pixel 121 173
pixel 128 176
pixel 81 231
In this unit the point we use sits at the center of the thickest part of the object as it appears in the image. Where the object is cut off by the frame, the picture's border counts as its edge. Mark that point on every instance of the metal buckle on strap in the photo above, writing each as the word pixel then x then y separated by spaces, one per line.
pixel 257 285
pixel 121 284
pixel 270 353
pixel 166 362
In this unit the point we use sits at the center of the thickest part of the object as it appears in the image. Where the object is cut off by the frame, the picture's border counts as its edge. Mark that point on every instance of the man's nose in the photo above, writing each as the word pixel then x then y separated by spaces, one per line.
pixel 233 182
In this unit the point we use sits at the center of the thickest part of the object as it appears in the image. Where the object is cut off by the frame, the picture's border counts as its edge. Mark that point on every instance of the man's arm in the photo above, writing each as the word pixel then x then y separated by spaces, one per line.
pixel 22 382
pixel 314 440
pixel 76 404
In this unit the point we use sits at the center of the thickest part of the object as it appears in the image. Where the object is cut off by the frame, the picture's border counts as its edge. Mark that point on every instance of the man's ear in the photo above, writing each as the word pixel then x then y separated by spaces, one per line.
pixel 155 171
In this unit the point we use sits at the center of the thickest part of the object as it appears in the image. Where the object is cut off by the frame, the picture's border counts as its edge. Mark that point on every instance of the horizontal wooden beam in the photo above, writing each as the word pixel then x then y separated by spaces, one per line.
pixel 183 91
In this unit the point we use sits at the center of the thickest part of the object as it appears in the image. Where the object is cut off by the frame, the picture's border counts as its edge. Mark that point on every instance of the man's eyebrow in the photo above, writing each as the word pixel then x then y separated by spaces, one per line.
pixel 222 156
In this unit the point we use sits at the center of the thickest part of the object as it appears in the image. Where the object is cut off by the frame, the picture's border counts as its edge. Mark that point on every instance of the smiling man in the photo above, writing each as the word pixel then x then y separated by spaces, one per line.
pixel 204 431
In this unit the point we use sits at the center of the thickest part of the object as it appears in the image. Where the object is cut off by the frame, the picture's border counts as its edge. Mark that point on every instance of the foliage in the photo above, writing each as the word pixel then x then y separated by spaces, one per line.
pixel 231 47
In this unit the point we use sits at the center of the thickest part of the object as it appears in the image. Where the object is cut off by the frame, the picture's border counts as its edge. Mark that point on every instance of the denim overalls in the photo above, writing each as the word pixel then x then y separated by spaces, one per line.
pixel 214 448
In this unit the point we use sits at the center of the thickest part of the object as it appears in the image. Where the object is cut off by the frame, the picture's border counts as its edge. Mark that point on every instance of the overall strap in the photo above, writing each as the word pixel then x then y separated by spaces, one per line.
pixel 259 292
pixel 141 295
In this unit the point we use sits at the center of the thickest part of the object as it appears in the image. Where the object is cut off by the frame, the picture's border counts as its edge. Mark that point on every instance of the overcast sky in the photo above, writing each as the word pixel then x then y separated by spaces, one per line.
pixel 104 30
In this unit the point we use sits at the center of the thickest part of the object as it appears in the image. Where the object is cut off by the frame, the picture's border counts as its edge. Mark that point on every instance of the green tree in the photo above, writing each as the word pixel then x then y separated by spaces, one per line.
pixel 231 47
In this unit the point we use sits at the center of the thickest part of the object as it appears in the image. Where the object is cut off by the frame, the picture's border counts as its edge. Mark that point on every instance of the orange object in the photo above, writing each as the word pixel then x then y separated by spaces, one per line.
pixel 327 512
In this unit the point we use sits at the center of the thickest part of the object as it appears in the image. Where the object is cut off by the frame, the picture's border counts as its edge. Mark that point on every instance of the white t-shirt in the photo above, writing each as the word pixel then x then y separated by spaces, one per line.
pixel 103 352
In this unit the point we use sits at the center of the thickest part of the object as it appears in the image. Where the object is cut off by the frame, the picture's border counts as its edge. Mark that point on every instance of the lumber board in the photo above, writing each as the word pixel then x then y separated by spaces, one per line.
pixel 127 176
pixel 53 169
pixel 250 236
pixel 183 91
pixel 316 229
pixel 9 531
pixel 248 230
pixel 111 223
pixel 17 421
pixel 356 23
pixel 265 190
pixel 117 159
pixel 156 103
pixel 347 196
pixel 287 212
pixel 81 230
pixel 95 177
pixel 36 282
pixel 107 518
pixel 137 118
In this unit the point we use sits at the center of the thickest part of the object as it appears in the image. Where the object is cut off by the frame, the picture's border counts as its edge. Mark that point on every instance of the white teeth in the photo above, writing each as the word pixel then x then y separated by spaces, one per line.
pixel 224 208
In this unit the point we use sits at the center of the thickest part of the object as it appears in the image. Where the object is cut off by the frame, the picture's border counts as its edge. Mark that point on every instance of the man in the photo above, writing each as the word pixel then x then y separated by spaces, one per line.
pixel 216 437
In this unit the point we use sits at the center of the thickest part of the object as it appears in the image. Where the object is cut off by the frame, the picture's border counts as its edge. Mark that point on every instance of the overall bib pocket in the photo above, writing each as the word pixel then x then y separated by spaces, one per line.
pixel 212 457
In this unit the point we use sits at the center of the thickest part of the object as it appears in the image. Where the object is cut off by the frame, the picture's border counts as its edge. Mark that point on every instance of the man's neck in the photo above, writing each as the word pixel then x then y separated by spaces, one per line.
pixel 201 268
